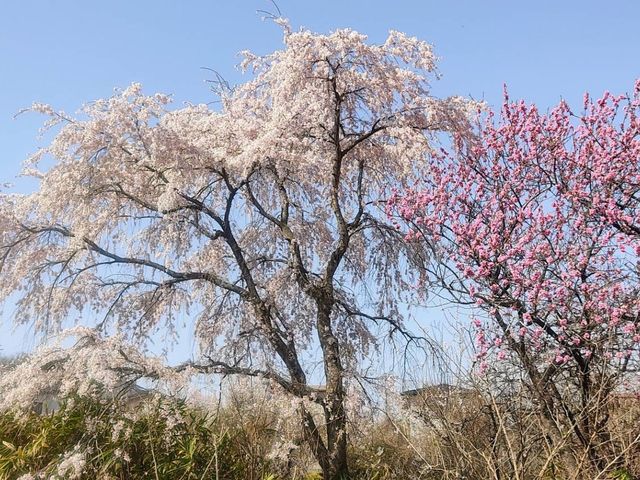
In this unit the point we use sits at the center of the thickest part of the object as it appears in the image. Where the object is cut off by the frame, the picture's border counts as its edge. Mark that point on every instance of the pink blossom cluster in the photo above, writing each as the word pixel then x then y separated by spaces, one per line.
pixel 538 221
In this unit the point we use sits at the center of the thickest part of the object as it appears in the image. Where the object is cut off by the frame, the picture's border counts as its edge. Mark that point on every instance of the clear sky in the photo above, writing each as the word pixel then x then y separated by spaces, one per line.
pixel 67 52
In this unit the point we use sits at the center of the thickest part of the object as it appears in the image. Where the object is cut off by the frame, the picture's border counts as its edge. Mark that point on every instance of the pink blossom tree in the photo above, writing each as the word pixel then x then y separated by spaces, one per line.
pixel 260 225
pixel 536 223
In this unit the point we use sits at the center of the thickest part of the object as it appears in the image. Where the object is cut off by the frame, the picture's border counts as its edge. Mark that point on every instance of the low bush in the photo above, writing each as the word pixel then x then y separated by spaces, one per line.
pixel 88 439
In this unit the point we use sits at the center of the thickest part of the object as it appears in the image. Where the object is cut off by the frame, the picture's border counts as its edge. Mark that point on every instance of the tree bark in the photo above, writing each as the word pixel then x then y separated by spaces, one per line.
pixel 336 467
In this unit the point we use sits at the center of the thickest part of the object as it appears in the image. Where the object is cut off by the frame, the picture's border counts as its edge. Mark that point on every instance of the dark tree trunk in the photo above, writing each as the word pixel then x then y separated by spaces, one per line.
pixel 336 467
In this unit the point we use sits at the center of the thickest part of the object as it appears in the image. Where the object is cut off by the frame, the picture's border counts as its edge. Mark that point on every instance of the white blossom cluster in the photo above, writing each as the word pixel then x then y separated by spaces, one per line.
pixel 72 466
pixel 112 228
pixel 93 367
pixel 260 225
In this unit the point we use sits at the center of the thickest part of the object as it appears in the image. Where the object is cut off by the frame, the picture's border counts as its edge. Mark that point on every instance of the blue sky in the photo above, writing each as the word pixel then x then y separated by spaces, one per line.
pixel 67 52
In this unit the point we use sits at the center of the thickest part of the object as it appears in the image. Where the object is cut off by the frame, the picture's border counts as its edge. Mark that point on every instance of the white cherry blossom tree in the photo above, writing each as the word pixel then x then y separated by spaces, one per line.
pixel 262 221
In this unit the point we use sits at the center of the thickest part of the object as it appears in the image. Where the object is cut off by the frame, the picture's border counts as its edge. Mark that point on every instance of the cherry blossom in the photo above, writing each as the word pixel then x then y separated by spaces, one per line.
pixel 260 225
pixel 94 366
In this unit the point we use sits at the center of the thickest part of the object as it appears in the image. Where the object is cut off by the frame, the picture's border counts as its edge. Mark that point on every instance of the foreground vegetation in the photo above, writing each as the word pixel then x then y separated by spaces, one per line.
pixel 438 432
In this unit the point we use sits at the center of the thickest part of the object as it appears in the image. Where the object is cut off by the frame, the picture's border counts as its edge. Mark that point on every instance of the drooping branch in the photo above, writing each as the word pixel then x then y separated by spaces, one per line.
pixel 223 368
